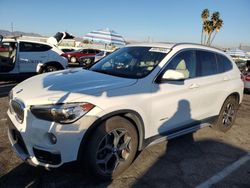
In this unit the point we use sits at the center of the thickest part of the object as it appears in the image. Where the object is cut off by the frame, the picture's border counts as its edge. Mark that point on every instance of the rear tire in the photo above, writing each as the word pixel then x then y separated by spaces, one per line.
pixel 112 148
pixel 50 68
pixel 227 115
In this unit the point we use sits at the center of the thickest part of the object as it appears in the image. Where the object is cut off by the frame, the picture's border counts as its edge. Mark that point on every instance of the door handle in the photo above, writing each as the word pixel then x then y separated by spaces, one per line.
pixel 193 86
pixel 22 59
pixel 42 56
pixel 225 78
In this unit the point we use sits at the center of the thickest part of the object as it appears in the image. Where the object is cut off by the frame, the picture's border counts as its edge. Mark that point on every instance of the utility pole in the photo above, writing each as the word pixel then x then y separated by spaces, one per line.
pixel 12 28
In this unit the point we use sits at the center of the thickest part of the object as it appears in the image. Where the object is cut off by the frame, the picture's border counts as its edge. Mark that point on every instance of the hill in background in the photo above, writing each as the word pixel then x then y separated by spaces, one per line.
pixel 18 33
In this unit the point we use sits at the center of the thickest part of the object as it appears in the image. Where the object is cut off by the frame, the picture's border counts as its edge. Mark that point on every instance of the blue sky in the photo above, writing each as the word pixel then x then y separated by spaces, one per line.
pixel 161 20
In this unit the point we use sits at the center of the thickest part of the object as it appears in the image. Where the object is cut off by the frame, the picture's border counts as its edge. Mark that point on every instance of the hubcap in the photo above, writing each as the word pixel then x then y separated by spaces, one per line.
pixel 113 149
pixel 228 115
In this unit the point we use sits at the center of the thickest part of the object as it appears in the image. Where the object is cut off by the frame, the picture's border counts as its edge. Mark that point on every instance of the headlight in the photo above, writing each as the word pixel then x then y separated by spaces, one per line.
pixel 64 113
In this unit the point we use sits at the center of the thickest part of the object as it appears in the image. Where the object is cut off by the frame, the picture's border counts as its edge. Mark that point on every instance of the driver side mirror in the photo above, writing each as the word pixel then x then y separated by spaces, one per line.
pixel 174 75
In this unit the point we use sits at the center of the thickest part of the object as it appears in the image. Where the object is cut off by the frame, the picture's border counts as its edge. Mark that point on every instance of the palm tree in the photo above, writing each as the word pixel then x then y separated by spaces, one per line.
pixel 204 17
pixel 210 26
pixel 218 26
pixel 208 29
pixel 215 17
pixel 213 23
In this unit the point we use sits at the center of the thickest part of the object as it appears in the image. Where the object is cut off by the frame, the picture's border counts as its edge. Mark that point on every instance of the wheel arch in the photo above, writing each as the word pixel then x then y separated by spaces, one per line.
pixel 236 95
pixel 50 63
pixel 133 116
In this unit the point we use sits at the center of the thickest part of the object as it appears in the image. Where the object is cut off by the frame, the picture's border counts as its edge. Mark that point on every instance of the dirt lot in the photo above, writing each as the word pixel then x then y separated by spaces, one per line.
pixel 184 162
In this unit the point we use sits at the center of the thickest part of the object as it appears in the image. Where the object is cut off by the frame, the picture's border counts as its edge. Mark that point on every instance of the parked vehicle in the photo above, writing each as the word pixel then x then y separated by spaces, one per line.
pixel 22 58
pixel 246 75
pixel 66 50
pixel 101 55
pixel 73 57
pixel 87 61
pixel 135 97
pixel 244 67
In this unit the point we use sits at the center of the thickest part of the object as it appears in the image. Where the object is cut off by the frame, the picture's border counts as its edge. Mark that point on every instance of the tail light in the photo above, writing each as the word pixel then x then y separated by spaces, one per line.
pixel 247 78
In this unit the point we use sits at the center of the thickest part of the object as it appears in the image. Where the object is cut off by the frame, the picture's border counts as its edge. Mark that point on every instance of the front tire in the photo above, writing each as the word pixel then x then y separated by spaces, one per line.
pixel 112 148
pixel 227 115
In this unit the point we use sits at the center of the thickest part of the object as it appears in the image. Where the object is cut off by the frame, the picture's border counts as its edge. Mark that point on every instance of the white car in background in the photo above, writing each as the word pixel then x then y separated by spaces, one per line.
pixel 135 97
pixel 23 58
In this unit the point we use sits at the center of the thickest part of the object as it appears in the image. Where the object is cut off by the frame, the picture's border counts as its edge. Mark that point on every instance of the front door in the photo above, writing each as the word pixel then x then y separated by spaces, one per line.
pixel 176 103
pixel 8 54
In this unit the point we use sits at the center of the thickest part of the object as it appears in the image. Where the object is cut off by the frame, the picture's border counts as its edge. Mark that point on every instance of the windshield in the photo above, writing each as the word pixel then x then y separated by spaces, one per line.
pixel 130 62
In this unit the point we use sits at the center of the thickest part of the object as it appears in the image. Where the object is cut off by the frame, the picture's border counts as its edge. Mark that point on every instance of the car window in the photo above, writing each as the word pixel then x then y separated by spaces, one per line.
pixel 91 51
pixel 184 62
pixel 85 51
pixel 224 64
pixel 33 47
pixel 7 46
pixel 206 63
pixel 130 62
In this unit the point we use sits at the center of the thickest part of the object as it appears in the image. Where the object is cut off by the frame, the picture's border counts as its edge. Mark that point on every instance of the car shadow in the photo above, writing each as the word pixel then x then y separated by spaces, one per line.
pixel 193 162
pixel 181 162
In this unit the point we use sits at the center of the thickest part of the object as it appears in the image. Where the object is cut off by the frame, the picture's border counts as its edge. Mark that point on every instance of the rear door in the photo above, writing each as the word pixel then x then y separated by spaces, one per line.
pixel 31 54
pixel 211 83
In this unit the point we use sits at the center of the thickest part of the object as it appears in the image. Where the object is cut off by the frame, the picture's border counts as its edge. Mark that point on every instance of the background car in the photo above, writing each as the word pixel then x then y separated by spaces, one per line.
pixel 101 55
pixel 87 61
pixel 23 58
pixel 247 82
pixel 74 56
pixel 244 67
pixel 65 50
pixel 247 77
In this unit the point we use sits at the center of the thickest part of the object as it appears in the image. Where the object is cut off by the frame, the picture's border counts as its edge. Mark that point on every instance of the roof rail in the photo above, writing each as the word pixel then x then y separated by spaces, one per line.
pixel 183 43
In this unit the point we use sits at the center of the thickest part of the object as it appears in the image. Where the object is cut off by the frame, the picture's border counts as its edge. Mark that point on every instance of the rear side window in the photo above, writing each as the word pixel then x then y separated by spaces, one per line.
pixel 224 64
pixel 206 63
pixel 33 47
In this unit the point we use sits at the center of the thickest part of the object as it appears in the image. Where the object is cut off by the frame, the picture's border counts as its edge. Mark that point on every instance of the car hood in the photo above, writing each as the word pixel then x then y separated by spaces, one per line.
pixel 67 86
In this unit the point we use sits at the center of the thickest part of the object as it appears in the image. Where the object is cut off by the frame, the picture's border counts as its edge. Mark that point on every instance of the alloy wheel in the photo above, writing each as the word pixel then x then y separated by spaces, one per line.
pixel 228 115
pixel 113 149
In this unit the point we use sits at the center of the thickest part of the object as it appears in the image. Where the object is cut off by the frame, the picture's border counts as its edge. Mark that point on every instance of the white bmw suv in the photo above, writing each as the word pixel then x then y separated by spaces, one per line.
pixel 133 98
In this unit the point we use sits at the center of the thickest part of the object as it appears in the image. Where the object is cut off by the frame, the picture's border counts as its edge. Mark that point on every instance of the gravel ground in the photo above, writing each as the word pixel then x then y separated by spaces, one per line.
pixel 183 162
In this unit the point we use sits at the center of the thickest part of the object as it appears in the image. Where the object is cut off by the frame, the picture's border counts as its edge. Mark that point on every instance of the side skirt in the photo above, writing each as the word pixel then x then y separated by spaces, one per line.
pixel 178 132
